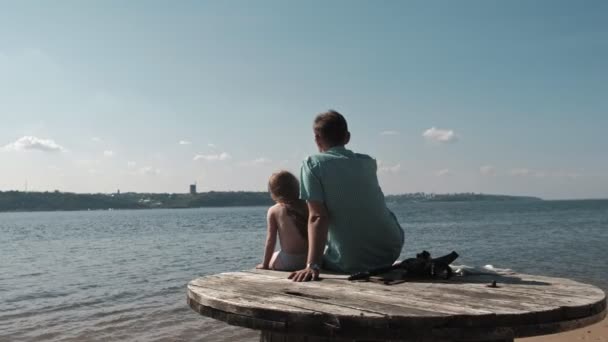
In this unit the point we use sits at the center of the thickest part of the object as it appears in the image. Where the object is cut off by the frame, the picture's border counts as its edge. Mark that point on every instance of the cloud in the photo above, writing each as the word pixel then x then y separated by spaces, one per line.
pixel 184 142
pixel 148 171
pixel 96 139
pixel 256 162
pixel 487 170
pixel 440 135
pixel 390 169
pixel 389 132
pixel 574 175
pixel 213 157
pixel 87 162
pixel 108 153
pixel 261 160
pixel 570 175
pixel 543 174
pixel 521 172
pixel 33 143
pixel 443 172
pixel 142 171
pixel 211 145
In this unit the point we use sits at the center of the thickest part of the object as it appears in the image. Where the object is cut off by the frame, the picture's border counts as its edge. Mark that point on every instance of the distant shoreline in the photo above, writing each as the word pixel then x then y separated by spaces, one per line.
pixel 19 201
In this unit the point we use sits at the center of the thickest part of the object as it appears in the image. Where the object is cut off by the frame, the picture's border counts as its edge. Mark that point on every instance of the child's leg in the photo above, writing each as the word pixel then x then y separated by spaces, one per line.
pixel 273 260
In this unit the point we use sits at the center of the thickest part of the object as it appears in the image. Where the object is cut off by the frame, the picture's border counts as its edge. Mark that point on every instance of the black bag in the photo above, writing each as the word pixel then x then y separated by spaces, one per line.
pixel 422 266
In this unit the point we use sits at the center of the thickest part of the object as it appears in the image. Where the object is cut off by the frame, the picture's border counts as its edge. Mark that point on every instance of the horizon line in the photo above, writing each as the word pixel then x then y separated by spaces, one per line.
pixel 264 191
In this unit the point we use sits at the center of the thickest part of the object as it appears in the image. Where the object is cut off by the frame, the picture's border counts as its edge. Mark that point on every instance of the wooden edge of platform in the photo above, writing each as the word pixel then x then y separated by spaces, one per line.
pixel 388 328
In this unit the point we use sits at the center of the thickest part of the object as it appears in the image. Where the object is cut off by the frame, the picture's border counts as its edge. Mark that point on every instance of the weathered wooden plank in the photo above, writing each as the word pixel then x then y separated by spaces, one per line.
pixel 302 294
pixel 505 280
pixel 445 296
pixel 554 315
pixel 505 295
pixel 262 295
pixel 343 323
pixel 236 319
pixel 454 310
pixel 335 294
pixel 331 317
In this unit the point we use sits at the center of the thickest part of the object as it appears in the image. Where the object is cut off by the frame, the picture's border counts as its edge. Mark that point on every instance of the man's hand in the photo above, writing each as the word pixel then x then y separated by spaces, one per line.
pixel 306 274
pixel 318 225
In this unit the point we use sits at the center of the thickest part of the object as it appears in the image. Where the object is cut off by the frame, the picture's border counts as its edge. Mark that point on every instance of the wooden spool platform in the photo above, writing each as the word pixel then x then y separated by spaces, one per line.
pixel 335 309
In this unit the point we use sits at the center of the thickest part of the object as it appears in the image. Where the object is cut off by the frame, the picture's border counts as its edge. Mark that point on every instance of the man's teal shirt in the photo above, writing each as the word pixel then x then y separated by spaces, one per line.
pixel 363 232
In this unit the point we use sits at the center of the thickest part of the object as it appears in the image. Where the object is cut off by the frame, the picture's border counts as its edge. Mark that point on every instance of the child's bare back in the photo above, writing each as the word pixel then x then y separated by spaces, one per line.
pixel 287 219
pixel 290 238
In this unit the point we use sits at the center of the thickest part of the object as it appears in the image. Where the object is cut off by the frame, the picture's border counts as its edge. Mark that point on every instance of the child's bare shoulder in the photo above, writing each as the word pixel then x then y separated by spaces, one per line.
pixel 275 210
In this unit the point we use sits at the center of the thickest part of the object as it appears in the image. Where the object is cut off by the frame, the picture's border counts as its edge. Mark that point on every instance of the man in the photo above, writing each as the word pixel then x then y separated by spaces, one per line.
pixel 350 229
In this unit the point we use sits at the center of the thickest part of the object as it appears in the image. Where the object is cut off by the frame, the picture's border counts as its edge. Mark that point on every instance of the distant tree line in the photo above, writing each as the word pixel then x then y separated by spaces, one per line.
pixel 456 197
pixel 50 201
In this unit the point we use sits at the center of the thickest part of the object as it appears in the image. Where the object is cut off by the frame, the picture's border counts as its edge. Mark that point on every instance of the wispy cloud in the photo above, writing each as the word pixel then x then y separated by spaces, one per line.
pixel 520 172
pixel 487 170
pixel 87 162
pixel 440 135
pixel 543 174
pixel 211 145
pixel 184 142
pixel 213 157
pixel 384 168
pixel 148 171
pixel 262 160
pixel 257 161
pixel 389 132
pixel 569 175
pixel 33 143
pixel 108 153
pixel 443 172
pixel 96 139
pixel 131 164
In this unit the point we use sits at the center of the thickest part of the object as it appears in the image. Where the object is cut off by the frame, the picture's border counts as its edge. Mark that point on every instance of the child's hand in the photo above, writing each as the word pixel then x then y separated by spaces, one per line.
pixel 261 267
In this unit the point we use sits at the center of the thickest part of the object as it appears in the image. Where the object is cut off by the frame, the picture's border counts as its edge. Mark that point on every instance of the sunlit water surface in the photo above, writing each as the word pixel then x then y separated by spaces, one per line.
pixel 121 275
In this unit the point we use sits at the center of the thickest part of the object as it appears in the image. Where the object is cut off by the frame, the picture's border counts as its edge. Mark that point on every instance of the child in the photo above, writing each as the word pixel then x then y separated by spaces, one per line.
pixel 289 219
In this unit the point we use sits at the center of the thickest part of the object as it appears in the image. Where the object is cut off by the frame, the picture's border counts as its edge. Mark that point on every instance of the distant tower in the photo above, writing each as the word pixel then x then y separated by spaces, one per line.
pixel 193 189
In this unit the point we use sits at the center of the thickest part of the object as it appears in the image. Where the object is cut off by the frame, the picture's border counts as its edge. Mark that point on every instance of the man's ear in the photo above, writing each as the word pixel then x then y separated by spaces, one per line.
pixel 347 138
pixel 318 141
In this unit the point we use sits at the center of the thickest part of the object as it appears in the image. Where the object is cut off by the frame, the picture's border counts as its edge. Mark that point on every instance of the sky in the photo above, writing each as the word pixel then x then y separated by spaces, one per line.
pixel 507 97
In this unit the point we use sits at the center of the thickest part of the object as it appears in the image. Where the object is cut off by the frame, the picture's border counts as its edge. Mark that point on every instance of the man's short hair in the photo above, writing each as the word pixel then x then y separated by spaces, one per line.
pixel 332 127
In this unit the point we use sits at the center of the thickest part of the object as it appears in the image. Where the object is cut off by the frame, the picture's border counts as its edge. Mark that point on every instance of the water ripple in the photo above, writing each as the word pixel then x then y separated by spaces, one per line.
pixel 122 275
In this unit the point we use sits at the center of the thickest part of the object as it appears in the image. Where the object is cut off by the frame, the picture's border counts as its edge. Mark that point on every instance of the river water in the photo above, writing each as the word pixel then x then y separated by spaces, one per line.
pixel 122 275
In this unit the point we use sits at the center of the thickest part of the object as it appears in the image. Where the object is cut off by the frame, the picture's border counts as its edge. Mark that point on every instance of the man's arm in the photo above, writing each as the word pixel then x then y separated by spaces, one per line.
pixel 318 226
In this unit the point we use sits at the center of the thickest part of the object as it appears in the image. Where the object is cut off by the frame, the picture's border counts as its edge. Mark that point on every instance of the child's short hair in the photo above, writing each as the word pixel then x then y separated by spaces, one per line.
pixel 284 187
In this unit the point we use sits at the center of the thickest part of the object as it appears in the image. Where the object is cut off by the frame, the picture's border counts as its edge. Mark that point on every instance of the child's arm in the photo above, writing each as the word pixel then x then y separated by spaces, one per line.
pixel 271 239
